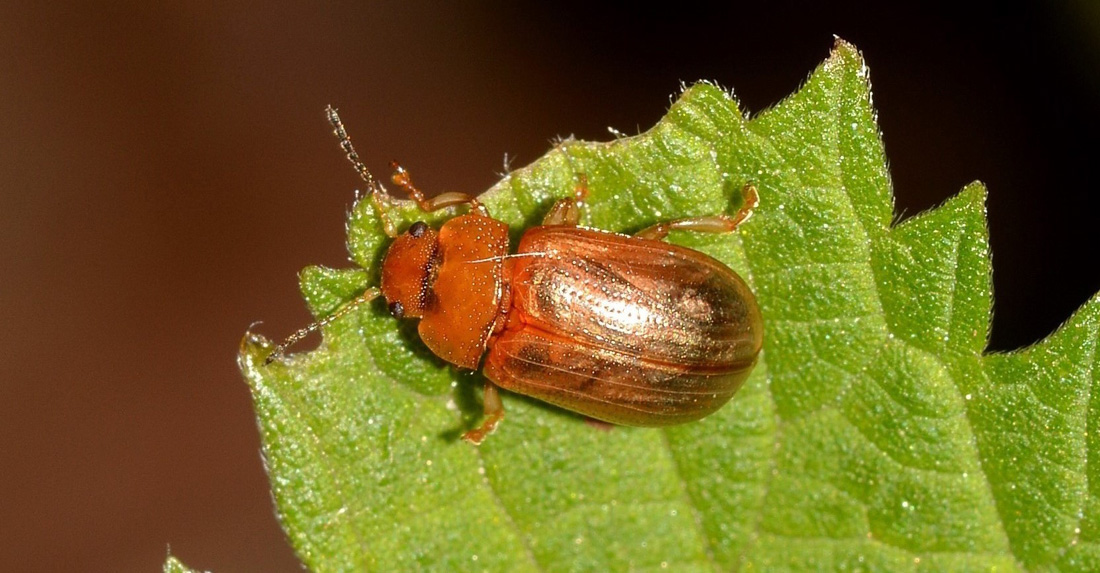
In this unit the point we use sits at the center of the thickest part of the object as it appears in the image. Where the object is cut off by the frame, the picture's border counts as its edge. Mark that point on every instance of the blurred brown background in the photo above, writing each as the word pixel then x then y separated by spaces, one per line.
pixel 165 172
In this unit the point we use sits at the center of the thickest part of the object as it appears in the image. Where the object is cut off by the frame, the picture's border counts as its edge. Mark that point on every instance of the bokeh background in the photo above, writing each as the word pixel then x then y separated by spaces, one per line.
pixel 165 170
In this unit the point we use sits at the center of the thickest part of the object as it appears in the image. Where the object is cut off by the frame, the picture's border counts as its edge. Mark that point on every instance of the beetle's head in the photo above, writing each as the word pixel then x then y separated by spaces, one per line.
pixel 409 270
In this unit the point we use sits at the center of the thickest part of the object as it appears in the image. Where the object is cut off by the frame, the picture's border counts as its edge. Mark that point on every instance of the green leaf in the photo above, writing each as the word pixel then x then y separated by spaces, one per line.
pixel 173 565
pixel 873 434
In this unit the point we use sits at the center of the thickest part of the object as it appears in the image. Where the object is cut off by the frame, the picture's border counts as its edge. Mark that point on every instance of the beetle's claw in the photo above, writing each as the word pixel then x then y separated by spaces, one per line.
pixel 478 435
pixel 475 437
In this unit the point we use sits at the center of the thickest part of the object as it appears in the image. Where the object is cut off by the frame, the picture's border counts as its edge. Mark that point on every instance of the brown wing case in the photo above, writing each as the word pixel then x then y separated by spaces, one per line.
pixel 626 330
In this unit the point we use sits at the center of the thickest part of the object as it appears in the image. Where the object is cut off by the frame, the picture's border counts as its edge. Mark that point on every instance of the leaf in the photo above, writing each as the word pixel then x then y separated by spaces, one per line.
pixel 873 434
pixel 173 565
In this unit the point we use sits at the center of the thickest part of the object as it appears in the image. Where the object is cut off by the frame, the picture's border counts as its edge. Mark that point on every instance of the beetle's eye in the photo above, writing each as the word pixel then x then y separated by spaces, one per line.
pixel 418 229
pixel 397 309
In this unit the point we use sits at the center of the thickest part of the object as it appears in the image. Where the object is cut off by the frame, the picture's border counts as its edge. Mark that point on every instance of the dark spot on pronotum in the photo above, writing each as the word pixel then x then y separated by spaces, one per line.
pixel 397 309
pixel 418 229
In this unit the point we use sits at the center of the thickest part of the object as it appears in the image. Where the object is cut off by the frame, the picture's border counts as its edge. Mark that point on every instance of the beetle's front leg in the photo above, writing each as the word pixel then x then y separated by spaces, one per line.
pixel 402 179
pixel 494 413
pixel 710 224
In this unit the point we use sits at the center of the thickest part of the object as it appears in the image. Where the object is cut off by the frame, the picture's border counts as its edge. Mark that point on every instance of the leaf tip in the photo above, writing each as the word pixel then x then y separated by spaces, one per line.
pixel 843 49
pixel 173 565
pixel 1086 317
pixel 975 192
pixel 254 350
pixel 845 58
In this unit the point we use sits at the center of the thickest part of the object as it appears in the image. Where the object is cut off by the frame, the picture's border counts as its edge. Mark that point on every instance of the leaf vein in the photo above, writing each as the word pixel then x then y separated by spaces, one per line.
pixel 696 515
pixel 520 535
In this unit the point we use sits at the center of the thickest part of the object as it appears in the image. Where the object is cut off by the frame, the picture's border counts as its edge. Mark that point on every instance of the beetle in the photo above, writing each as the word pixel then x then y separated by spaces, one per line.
pixel 624 329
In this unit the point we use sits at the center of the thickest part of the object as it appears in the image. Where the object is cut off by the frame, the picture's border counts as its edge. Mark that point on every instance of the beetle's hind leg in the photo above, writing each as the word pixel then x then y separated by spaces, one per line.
pixel 402 179
pixel 708 224
pixel 568 211
pixel 494 413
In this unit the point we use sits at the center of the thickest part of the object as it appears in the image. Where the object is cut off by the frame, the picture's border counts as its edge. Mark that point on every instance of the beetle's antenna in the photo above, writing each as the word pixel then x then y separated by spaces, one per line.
pixel 504 257
pixel 349 149
pixel 375 188
pixel 367 296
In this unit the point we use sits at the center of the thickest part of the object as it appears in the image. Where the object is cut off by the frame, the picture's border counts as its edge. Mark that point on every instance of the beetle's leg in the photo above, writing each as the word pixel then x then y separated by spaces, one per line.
pixel 568 211
pixel 381 207
pixel 373 188
pixel 494 413
pixel 402 179
pixel 708 224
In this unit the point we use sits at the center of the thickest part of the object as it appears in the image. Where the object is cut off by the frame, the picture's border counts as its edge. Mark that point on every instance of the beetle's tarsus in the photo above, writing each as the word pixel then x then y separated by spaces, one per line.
pixel 706 224
pixel 568 211
pixel 402 179
pixel 494 413
pixel 477 436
